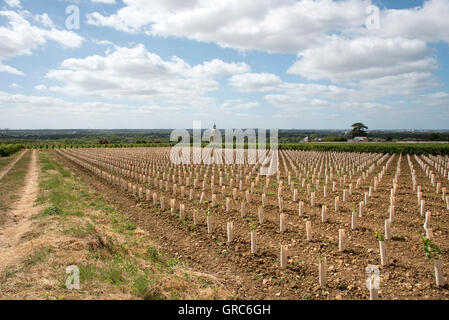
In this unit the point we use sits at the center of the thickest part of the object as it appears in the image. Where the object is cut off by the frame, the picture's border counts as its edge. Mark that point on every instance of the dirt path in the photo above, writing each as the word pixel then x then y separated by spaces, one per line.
pixel 18 220
pixel 5 170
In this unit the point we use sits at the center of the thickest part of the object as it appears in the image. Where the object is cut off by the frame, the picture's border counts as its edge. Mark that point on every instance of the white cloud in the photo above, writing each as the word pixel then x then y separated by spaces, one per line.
pixel 22 111
pixel 292 96
pixel 41 87
pixel 135 74
pixel 428 23
pixel 13 3
pixel 46 104
pixel 20 37
pixel 275 26
pixel 9 69
pixel 401 84
pixel 104 1
pixel 296 103
pixel 14 85
pixel 329 37
pixel 45 20
pixel 104 42
pixel 217 67
pixel 238 105
pixel 437 99
pixel 267 82
pixel 259 82
pixel 364 58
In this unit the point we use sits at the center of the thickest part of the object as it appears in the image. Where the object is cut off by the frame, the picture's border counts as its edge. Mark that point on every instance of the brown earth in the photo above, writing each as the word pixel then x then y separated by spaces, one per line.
pixel 4 171
pixel 36 248
pixel 409 274
pixel 18 219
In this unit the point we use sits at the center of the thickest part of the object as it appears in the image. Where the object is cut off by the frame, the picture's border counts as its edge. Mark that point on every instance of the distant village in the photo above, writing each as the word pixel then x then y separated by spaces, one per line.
pixel 355 139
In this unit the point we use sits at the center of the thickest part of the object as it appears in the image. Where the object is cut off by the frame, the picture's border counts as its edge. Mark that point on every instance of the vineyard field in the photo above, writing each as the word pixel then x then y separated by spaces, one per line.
pixel 307 232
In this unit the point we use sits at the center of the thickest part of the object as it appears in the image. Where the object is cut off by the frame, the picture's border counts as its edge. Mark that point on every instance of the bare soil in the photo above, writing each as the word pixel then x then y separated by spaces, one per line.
pixel 4 171
pixel 18 219
pixel 409 274
pixel 112 255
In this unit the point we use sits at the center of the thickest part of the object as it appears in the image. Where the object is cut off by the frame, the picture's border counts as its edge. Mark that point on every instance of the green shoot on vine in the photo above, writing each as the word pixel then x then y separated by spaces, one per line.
pixel 379 236
pixel 431 249
pixel 253 226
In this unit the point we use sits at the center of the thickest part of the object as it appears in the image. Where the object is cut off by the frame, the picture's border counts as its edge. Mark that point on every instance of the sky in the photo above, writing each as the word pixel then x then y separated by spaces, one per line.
pixel 303 64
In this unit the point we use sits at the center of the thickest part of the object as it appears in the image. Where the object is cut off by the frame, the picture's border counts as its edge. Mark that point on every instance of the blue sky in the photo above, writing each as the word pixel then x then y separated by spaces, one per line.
pixel 309 64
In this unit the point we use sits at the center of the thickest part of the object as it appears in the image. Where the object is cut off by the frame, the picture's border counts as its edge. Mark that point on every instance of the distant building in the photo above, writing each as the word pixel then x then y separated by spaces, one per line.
pixel 213 133
pixel 306 139
pixel 359 139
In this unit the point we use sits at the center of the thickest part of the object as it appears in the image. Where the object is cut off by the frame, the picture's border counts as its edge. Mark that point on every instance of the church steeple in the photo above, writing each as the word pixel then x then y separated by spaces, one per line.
pixel 213 132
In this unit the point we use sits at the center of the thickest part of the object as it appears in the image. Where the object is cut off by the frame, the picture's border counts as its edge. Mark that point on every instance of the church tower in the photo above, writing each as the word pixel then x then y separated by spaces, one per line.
pixel 213 132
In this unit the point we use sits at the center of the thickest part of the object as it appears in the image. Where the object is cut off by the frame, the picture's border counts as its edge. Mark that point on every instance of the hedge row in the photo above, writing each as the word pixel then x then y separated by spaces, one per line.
pixel 398 148
pixel 9 149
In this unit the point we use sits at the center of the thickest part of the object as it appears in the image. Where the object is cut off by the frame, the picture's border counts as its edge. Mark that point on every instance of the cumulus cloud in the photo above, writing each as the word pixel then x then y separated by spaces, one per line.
pixel 104 1
pixel 274 26
pixel 437 99
pixel 304 96
pixel 238 105
pixel 13 3
pixel 356 67
pixel 330 37
pixel 401 84
pixel 136 74
pixel 428 23
pixel 40 87
pixel 46 104
pixel 9 69
pixel 251 82
pixel 104 42
pixel 364 58
pixel 21 37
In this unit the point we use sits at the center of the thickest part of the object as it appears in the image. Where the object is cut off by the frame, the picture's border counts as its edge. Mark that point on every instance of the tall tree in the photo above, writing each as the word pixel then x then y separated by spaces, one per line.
pixel 358 130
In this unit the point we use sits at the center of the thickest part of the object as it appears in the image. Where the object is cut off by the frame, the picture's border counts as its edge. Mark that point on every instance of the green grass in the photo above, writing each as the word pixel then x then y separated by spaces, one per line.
pixel 143 287
pixel 4 161
pixel 11 185
pixel 153 254
pixel 63 197
pixel 38 255
pixel 53 211
pixel 121 269
pixel 81 230
pixel 126 265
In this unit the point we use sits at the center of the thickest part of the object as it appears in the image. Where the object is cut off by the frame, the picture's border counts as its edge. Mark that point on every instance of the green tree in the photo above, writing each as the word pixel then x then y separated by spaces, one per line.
pixel 435 137
pixel 358 130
